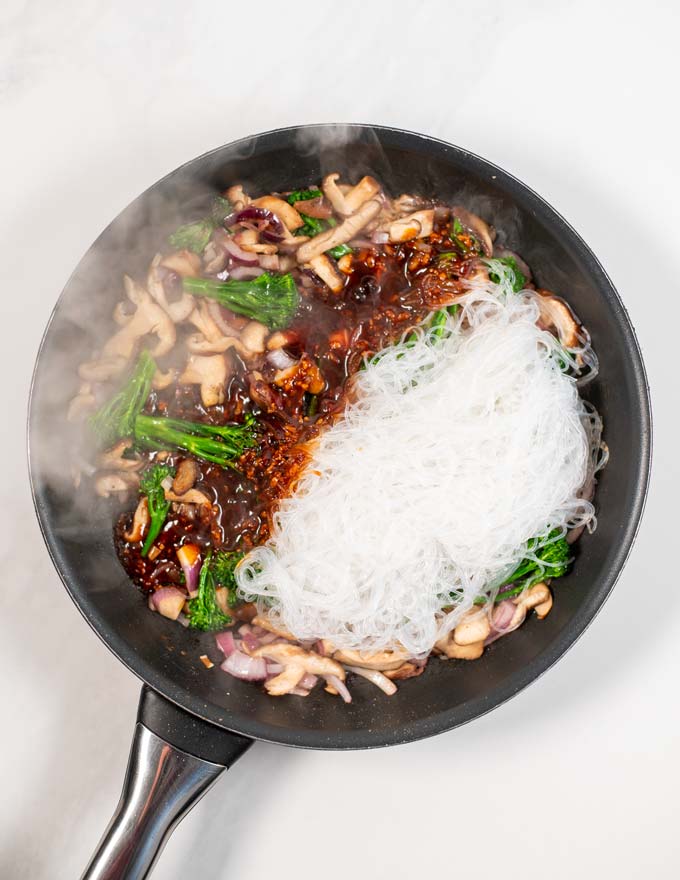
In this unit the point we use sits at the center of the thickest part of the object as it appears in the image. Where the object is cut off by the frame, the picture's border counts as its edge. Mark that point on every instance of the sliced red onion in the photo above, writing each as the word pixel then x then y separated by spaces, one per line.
pixel 184 620
pixel 251 642
pixel 320 648
pixel 441 212
pixel 502 615
pixel 501 621
pixel 241 273
pixel 280 359
pixel 274 668
pixel 299 692
pixel 189 558
pixel 380 237
pixel 238 255
pixel 376 677
pixel 268 224
pixel 340 687
pixel 246 668
pixel 308 681
pixel 169 602
pixel 225 642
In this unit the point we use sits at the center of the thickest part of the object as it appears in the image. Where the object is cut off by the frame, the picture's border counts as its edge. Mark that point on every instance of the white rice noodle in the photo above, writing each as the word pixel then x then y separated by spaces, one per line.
pixel 455 453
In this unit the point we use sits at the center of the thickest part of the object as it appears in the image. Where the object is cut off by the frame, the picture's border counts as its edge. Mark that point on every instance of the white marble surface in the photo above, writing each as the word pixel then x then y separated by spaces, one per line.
pixel 579 775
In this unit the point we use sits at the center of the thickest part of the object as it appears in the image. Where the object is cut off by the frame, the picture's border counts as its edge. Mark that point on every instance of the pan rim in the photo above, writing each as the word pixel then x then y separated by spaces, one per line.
pixel 448 719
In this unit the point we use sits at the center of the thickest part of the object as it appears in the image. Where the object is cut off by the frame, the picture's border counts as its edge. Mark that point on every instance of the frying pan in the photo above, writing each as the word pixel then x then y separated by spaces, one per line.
pixel 192 724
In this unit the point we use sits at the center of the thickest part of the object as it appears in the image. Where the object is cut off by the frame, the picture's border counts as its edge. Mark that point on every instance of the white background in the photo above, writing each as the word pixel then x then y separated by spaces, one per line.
pixel 578 776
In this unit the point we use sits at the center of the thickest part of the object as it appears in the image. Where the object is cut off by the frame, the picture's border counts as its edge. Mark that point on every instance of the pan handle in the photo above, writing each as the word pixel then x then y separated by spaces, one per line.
pixel 175 758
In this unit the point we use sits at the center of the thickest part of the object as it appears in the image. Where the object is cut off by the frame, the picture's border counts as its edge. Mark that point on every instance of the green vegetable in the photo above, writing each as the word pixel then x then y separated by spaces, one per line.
pixel 339 251
pixel 312 405
pixel 223 565
pixel 456 236
pixel 270 299
pixel 518 279
pixel 204 612
pixel 551 561
pixel 303 195
pixel 220 210
pixel 150 485
pixel 193 236
pixel 312 226
pixel 116 418
pixel 221 444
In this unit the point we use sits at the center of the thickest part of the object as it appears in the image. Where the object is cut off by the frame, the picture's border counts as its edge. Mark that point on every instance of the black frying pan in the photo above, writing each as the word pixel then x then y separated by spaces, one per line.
pixel 193 723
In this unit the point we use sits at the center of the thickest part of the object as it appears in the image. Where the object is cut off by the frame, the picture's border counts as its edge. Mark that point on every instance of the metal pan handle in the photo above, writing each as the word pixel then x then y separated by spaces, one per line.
pixel 175 758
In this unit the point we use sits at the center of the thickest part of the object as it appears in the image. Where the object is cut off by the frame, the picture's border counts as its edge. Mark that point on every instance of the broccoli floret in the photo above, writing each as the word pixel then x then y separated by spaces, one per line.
pixel 116 419
pixel 150 485
pixel 204 612
pixel 221 444
pixel 550 560
pixel 220 210
pixel 193 236
pixel 270 299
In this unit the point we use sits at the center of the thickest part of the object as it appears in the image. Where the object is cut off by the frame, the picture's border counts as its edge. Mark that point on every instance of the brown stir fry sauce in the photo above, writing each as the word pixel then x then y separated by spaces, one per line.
pixel 389 288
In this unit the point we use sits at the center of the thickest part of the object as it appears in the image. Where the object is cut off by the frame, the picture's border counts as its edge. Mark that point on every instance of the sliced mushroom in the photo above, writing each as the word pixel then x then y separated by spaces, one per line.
pixel 149 318
pixel 238 198
pixel 282 339
pixel 556 315
pixel 115 484
pixel 198 344
pixel 454 651
pixel 186 476
pixel 327 271
pixel 202 319
pixel 346 203
pixel 318 208
pixel 162 379
pixel 83 403
pixel 484 233
pixel 285 212
pixel 338 234
pixel 185 263
pixel 140 521
pixel 114 458
pixel 265 623
pixel 406 670
pixel 253 336
pixel 191 496
pixel 473 627
pixel 381 660
pixel 417 225
pixel 208 372
pixel 297 663
pixel 181 309
pixel 102 369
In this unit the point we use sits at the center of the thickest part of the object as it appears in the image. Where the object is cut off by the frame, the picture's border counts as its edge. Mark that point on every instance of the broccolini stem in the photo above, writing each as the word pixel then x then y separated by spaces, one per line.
pixel 116 418
pixel 221 444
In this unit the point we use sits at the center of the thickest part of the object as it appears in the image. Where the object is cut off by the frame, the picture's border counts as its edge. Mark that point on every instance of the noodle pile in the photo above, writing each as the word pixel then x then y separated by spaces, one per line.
pixel 454 453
